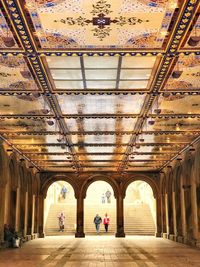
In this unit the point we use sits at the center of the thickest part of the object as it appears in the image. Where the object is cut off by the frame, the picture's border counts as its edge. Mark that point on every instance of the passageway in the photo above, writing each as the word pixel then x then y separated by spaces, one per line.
pixel 66 251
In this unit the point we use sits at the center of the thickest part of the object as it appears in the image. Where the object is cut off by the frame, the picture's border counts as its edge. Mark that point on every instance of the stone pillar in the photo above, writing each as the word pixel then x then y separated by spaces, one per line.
pixel 41 216
pixel 174 212
pixel 194 207
pixel 30 214
pixel 80 217
pixel 120 216
pixel 183 216
pixel 18 214
pixel 163 214
pixel 33 215
pixel 2 211
pixel 26 213
pixel 158 217
pixel 167 214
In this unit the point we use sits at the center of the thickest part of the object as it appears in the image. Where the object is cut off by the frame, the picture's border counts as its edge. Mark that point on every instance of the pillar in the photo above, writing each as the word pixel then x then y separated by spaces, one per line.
pixel 41 216
pixel 80 217
pixel 120 216
pixel 158 217
pixel 2 211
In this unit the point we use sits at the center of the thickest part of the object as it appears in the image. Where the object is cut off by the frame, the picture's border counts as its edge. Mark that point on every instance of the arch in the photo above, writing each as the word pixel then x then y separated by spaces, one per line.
pixel 99 177
pixel 144 178
pixel 55 178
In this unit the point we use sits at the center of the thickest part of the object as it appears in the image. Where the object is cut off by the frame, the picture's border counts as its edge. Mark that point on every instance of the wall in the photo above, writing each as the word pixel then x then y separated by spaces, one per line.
pixel 180 187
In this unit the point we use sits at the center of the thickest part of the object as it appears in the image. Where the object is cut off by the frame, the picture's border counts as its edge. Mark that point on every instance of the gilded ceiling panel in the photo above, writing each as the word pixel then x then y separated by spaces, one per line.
pixel 6 36
pixel 15 75
pixel 24 105
pixel 186 74
pixel 103 23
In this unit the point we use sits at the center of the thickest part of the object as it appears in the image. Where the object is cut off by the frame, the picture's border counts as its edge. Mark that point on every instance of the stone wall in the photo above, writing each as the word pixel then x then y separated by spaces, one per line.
pixel 180 195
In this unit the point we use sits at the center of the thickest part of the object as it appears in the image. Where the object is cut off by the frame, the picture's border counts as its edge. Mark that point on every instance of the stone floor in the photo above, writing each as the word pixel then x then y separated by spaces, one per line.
pixel 64 251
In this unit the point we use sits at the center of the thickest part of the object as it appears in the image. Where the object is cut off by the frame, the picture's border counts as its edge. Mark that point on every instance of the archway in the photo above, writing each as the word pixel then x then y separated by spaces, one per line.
pixel 60 199
pixel 99 200
pixel 139 209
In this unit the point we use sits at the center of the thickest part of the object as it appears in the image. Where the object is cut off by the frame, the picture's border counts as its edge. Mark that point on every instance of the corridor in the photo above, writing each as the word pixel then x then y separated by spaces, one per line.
pixel 100 250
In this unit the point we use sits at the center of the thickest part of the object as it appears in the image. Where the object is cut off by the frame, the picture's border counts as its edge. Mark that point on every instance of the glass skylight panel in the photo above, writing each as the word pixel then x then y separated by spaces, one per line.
pixel 68 85
pixel 63 62
pixel 101 104
pixel 99 125
pixel 100 74
pixel 101 84
pixel 101 62
pixel 135 74
pixel 138 62
pixel 133 84
pixel 66 74
pixel 100 139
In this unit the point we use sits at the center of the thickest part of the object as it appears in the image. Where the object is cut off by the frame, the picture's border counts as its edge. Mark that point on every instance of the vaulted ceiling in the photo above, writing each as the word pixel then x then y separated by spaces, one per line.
pixel 100 85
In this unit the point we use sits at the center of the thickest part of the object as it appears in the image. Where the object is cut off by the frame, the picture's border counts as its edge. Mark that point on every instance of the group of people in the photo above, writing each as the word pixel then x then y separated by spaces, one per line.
pixel 98 221
pixel 107 196
pixel 11 237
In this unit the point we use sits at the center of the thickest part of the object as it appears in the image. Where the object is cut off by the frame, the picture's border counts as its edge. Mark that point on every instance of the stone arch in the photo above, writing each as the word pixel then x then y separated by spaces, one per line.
pixel 55 178
pixel 144 178
pixel 99 177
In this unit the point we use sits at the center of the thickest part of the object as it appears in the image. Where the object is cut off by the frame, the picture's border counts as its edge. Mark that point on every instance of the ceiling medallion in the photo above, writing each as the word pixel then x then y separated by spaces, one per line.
pixel 101 19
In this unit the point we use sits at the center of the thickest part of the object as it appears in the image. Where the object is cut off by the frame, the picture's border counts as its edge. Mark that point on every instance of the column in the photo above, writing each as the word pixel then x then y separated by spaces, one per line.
pixel 80 217
pixel 2 211
pixel 194 204
pixel 120 217
pixel 158 217
pixel 41 216
pixel 163 214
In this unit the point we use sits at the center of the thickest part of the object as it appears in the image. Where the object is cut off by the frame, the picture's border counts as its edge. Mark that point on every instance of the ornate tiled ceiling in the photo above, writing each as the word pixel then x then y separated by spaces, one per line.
pixel 99 85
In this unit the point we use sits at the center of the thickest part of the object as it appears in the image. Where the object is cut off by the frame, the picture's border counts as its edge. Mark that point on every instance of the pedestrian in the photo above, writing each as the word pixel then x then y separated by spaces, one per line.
pixel 106 222
pixel 108 196
pixel 97 222
pixel 61 221
pixel 103 198
pixel 63 191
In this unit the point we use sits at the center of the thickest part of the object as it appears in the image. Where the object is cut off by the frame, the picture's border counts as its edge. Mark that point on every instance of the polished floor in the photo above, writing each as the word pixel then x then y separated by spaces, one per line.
pixel 64 251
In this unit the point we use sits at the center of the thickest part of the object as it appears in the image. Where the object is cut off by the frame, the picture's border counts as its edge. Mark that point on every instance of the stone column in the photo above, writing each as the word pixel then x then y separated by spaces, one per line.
pixel 41 216
pixel 26 213
pixel 194 206
pixel 18 213
pixel 183 216
pixel 163 214
pixel 80 217
pixel 120 216
pixel 174 211
pixel 30 213
pixel 158 217
pixel 2 211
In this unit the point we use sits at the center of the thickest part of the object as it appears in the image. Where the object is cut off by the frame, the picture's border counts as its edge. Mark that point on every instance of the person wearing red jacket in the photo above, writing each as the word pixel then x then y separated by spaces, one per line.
pixel 106 222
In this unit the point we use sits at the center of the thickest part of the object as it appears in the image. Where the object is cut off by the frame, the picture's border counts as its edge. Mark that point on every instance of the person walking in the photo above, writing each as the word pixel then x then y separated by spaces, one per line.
pixel 64 191
pixel 108 196
pixel 61 221
pixel 106 222
pixel 103 198
pixel 97 222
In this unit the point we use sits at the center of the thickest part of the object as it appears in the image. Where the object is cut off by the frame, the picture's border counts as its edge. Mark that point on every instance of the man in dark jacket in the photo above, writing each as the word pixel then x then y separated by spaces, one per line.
pixel 97 222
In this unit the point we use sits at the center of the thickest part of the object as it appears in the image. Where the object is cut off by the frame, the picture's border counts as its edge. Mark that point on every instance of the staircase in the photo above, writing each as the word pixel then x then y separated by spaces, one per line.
pixel 91 210
pixel 138 220
pixel 52 226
